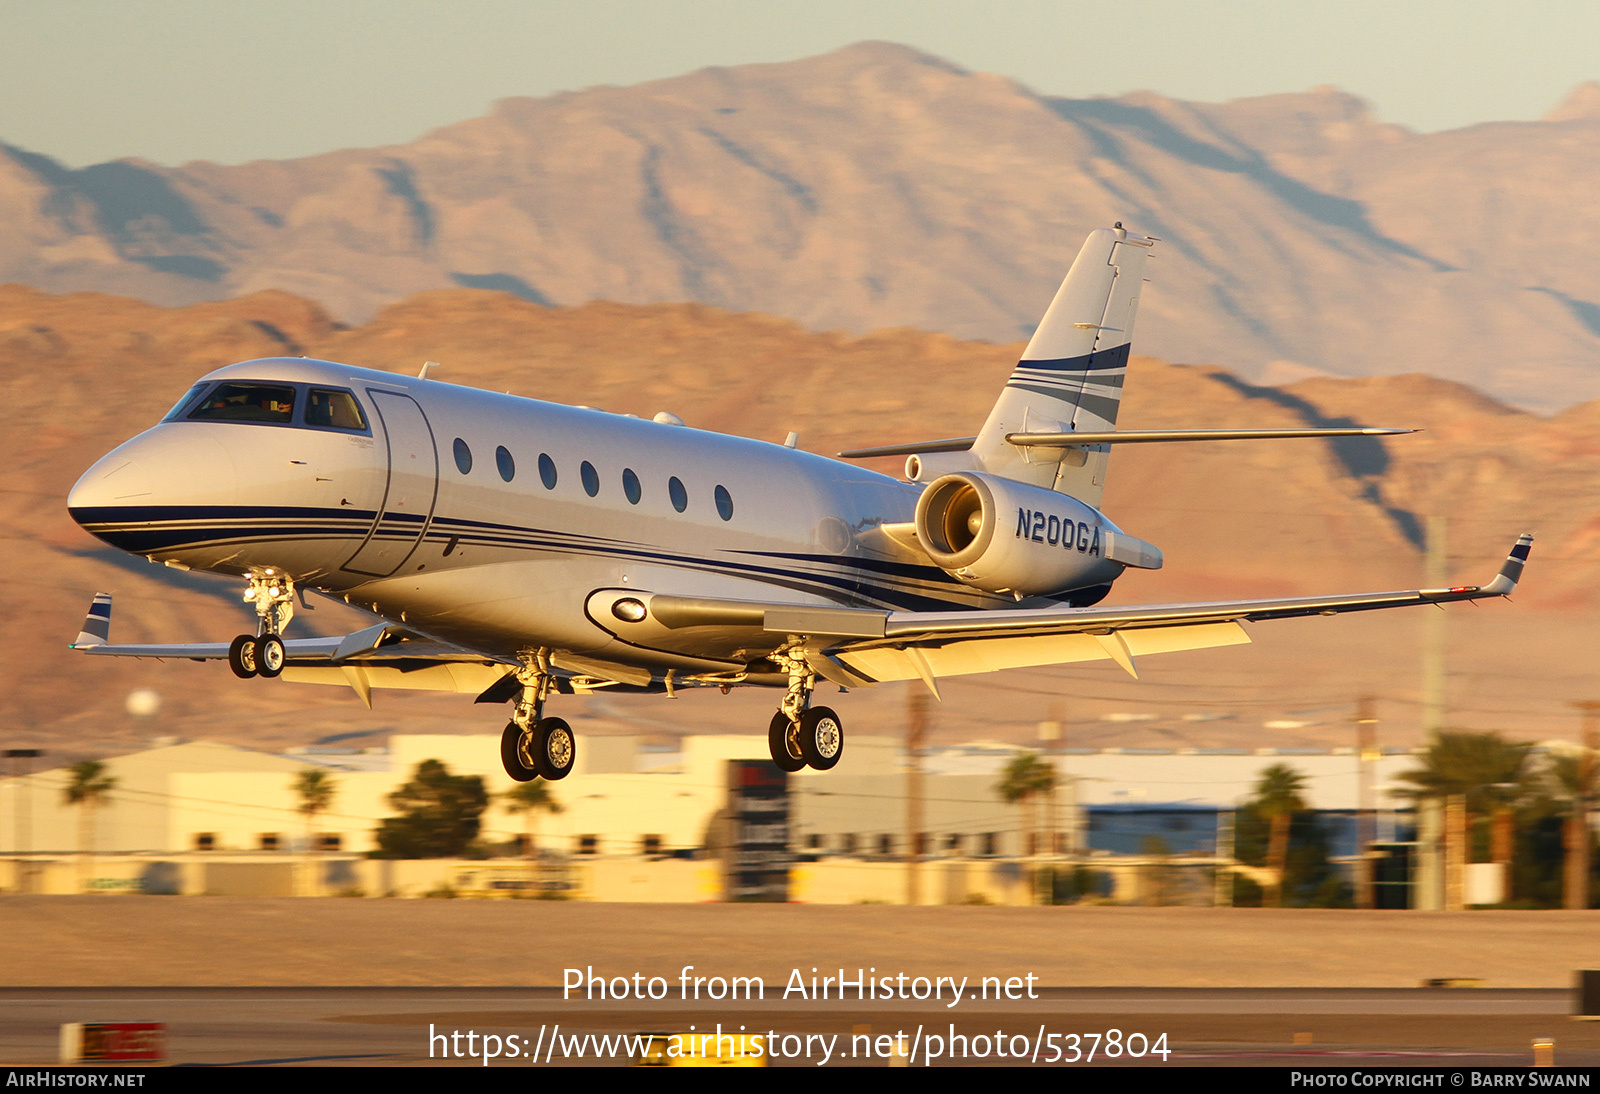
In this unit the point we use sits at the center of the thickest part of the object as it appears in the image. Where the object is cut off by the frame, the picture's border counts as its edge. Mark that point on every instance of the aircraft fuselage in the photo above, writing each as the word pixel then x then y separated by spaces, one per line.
pixel 488 520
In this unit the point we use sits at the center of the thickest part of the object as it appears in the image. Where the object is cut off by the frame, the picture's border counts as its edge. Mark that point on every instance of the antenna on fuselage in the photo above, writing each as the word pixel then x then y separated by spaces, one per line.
pixel 426 365
pixel 791 440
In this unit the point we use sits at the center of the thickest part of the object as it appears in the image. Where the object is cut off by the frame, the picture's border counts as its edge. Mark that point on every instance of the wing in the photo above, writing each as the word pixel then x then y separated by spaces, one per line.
pixel 928 645
pixel 387 655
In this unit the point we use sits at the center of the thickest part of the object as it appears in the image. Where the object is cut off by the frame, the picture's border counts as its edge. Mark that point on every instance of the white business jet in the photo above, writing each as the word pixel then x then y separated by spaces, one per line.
pixel 515 548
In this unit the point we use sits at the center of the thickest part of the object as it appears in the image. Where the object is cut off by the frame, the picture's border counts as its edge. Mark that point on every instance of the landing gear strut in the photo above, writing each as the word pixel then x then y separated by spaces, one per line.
pixel 263 653
pixel 802 735
pixel 533 745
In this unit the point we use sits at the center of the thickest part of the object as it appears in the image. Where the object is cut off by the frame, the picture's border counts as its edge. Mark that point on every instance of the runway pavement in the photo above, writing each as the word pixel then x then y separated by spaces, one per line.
pixel 412 1026
pixel 375 982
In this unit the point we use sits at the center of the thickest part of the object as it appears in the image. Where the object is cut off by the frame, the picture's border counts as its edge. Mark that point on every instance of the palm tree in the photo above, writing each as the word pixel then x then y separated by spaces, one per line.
pixel 1278 799
pixel 1025 778
pixel 315 788
pixel 528 799
pixel 1571 778
pixel 88 790
pixel 1487 773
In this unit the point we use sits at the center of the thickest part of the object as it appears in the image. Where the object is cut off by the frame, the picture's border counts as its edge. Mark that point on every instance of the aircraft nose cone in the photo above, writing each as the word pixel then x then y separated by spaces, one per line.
pixel 139 487
pixel 115 480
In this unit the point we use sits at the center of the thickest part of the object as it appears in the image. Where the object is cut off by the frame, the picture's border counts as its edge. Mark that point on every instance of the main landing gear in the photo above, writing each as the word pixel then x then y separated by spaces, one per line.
pixel 532 745
pixel 802 735
pixel 263 653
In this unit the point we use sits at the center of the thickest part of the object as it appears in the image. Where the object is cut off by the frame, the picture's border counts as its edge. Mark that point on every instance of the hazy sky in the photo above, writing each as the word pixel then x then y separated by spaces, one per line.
pixel 175 80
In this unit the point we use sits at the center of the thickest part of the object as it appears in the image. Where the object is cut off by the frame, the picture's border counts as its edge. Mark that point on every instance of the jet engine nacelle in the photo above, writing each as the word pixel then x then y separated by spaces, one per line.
pixel 1005 536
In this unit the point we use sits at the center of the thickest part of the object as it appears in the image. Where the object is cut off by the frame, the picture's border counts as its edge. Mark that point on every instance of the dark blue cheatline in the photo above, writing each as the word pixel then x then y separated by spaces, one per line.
pixel 463 456
pixel 144 528
pixel 680 496
pixel 590 477
pixel 547 471
pixel 630 486
pixel 507 466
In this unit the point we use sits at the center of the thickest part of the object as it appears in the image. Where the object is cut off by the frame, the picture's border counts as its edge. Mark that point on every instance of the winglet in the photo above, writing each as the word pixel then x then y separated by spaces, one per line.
pixel 1505 581
pixel 97 627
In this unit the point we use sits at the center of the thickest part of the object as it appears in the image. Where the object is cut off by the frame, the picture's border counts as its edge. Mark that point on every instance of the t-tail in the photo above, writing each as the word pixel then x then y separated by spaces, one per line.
pixel 1070 377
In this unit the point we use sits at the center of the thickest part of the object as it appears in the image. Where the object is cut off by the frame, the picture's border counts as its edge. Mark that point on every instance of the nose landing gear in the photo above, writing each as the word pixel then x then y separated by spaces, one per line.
pixel 263 653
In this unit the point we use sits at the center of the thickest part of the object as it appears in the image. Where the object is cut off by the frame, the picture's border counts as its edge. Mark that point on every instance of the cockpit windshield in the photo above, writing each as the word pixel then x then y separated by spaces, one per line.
pixel 246 403
pixel 184 404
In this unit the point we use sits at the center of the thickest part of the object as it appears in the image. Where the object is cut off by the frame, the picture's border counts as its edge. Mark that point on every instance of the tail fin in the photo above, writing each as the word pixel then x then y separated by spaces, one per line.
pixel 97 627
pixel 1070 376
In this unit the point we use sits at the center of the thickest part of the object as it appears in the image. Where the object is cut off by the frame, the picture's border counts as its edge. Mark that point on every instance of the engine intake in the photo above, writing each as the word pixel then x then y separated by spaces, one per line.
pixel 1004 536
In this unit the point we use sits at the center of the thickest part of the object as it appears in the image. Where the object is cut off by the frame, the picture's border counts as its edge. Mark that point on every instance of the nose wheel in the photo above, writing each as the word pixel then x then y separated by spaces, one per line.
pixel 263 653
pixel 252 656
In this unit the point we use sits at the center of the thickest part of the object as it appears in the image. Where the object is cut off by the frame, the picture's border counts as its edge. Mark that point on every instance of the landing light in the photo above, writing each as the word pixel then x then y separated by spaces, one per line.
pixel 629 610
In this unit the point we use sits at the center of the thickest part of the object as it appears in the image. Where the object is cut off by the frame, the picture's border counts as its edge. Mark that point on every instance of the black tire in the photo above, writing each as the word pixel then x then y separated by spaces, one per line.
pixel 821 738
pixel 554 748
pixel 242 656
pixel 779 744
pixel 511 755
pixel 270 655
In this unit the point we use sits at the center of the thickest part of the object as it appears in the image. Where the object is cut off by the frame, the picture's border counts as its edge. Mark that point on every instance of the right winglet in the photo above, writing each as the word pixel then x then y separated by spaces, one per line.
pixel 97 627
pixel 1505 581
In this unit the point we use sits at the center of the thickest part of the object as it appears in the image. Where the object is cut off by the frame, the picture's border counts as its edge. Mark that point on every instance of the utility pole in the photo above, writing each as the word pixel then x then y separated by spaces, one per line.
pixel 916 737
pixel 1434 576
pixel 1049 743
pixel 1577 833
pixel 1367 755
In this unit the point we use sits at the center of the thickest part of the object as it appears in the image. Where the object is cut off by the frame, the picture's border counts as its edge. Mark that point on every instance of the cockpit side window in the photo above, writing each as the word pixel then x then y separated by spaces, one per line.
pixel 187 403
pixel 332 409
pixel 266 403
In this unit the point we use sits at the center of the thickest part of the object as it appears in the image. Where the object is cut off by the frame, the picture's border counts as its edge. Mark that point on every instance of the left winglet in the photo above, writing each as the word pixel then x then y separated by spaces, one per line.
pixel 1505 582
pixel 97 627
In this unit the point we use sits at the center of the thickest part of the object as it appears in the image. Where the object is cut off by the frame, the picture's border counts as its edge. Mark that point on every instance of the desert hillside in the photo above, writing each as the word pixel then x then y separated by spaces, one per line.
pixel 82 372
pixel 880 187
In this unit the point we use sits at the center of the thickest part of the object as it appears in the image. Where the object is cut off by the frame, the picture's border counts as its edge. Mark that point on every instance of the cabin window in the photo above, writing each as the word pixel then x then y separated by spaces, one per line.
pixel 630 486
pixel 503 461
pixel 463 456
pixel 680 496
pixel 590 477
pixel 547 471
pixel 724 503
pixel 267 403
pixel 334 410
pixel 190 399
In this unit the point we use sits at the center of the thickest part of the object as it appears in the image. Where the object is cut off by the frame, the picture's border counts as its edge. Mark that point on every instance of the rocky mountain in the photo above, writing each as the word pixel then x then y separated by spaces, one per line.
pixel 80 373
pixel 879 187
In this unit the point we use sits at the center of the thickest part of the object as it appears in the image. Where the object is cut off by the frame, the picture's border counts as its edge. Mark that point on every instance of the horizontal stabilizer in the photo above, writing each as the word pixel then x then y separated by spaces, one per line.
pixel 949 444
pixel 1116 436
pixel 1156 436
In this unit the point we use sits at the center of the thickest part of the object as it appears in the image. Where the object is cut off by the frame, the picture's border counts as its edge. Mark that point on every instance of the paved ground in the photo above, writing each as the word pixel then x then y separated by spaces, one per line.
pixel 529 1027
pixel 227 942
pixel 363 982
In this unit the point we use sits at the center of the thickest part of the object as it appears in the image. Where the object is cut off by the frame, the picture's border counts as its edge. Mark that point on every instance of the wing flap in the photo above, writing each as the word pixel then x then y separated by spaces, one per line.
pixel 963 657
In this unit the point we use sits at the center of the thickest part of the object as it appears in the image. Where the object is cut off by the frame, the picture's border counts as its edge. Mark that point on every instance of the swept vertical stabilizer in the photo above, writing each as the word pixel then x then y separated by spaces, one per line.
pixel 1070 376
